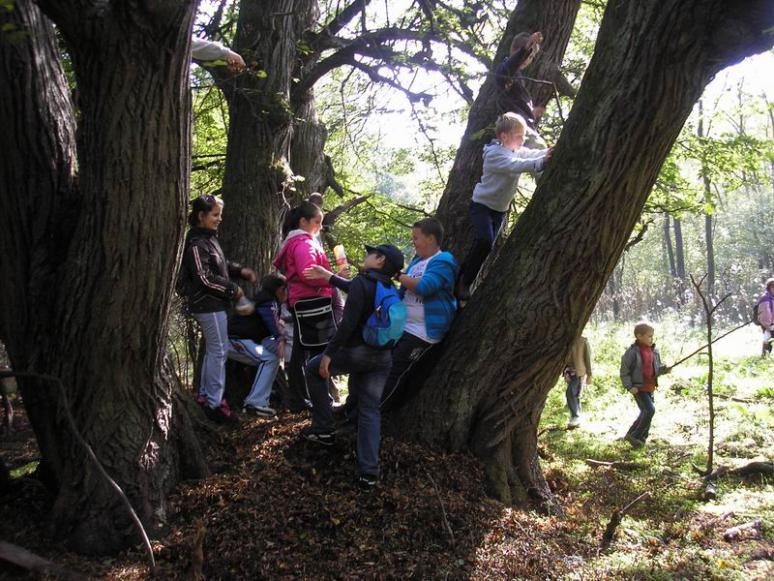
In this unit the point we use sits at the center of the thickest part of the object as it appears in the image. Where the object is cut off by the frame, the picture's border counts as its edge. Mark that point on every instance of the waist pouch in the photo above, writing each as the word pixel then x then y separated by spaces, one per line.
pixel 316 325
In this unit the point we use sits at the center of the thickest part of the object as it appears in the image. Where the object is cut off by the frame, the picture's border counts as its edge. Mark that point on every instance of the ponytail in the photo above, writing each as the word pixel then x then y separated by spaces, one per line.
pixel 305 210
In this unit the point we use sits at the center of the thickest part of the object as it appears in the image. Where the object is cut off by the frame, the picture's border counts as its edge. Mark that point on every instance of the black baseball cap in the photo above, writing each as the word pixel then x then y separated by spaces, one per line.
pixel 390 252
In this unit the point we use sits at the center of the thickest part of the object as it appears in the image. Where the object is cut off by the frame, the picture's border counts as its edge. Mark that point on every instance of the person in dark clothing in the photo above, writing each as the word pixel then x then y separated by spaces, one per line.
pixel 512 95
pixel 347 352
pixel 259 339
pixel 205 283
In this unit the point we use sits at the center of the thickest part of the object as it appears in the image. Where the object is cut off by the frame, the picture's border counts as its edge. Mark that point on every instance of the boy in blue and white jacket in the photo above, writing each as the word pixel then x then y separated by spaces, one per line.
pixel 427 289
pixel 504 161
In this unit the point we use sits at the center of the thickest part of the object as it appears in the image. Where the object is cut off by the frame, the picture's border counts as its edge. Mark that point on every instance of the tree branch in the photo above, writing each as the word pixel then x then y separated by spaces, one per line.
pixel 370 44
pixel 338 211
pixel 347 15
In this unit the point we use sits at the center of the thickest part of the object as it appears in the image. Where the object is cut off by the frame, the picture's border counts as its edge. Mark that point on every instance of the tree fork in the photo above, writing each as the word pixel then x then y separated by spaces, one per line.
pixel 555 18
pixel 103 329
pixel 507 347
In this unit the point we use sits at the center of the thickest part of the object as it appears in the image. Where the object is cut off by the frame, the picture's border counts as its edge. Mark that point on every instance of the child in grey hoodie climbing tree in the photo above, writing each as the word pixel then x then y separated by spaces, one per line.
pixel 504 160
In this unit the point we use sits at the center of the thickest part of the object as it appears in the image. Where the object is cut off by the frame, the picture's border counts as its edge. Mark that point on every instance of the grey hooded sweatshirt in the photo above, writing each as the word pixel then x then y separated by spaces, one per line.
pixel 501 173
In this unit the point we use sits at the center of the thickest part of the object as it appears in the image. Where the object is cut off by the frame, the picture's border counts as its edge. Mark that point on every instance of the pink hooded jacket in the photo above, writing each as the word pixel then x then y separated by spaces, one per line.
pixel 300 251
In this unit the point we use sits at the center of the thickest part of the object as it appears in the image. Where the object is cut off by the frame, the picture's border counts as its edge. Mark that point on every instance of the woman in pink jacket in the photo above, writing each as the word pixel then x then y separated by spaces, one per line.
pixel 309 300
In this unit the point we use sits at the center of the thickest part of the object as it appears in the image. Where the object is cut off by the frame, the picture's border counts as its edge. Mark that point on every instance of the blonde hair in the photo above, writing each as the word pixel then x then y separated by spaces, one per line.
pixel 769 282
pixel 642 327
pixel 508 122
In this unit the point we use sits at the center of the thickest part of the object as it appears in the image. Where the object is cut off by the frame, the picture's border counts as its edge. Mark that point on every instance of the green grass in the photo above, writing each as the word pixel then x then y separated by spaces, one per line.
pixel 673 534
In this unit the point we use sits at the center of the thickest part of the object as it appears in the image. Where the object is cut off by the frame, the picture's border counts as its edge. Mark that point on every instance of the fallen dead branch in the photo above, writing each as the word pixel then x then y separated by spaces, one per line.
pixel 614 465
pixel 616 519
pixel 744 532
pixel 731 398
pixel 710 480
pixel 549 429
pixel 25 559
pixel 196 571
pixel 762 554
pixel 443 509
pixel 749 469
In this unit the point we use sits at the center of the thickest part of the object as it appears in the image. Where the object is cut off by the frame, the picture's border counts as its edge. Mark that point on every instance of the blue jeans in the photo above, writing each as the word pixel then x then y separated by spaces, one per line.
pixel 486 226
pixel 573 396
pixel 641 426
pixel 213 379
pixel 368 369
pixel 264 357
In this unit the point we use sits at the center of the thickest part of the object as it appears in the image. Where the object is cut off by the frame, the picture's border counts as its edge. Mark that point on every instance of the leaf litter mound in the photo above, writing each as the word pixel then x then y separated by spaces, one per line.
pixel 278 507
pixel 283 507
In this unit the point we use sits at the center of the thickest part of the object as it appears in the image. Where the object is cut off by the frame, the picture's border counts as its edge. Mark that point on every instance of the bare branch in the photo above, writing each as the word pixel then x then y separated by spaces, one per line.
pixel 338 211
pixel 347 15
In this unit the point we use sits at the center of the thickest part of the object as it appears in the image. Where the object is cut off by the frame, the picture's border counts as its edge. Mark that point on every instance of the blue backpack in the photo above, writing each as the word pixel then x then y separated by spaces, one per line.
pixel 385 325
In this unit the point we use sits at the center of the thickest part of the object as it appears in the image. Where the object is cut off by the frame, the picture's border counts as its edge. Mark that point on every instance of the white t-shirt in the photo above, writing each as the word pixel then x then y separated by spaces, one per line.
pixel 415 306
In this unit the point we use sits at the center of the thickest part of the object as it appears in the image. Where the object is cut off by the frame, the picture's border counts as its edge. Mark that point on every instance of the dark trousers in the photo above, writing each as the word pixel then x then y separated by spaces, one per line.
pixel 407 351
pixel 486 225
pixel 641 426
pixel 297 397
pixel 367 368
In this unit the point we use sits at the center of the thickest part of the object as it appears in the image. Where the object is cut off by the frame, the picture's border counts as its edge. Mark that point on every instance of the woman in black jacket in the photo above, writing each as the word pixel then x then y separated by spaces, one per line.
pixel 205 282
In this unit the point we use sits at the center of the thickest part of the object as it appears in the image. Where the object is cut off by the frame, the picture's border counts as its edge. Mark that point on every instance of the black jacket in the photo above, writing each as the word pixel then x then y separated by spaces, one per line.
pixel 361 292
pixel 204 275
pixel 512 95
pixel 264 322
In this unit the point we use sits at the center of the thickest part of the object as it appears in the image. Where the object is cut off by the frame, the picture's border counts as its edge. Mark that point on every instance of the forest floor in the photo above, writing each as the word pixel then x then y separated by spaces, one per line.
pixel 278 507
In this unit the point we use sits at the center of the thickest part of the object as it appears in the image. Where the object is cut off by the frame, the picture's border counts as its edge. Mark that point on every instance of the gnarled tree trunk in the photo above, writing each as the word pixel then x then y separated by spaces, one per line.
pixel 257 180
pixel 86 290
pixel 505 351
pixel 555 19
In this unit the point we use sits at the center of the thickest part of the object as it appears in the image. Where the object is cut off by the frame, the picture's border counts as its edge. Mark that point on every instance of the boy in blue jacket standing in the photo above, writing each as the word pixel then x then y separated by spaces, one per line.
pixel 427 288
pixel 504 161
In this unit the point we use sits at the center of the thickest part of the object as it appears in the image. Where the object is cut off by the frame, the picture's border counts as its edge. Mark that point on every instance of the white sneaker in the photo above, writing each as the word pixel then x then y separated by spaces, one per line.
pixel 573 423
pixel 259 411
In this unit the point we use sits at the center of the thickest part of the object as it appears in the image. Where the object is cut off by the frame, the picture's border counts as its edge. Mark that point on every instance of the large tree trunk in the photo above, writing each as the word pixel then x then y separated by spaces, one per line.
pixel 555 19
pixel 88 284
pixel 505 351
pixel 258 177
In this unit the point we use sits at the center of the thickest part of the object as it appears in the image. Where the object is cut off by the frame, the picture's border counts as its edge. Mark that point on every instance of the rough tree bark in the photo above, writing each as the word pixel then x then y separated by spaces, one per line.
pixel 257 176
pixel 555 19
pixel 505 351
pixel 87 285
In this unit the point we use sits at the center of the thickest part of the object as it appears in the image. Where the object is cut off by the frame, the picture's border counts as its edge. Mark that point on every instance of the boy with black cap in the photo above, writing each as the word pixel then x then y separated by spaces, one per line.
pixel 347 352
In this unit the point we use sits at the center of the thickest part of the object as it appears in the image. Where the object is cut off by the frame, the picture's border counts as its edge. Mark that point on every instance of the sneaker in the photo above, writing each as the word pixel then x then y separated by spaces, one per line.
pixel 322 438
pixel 259 411
pixel 221 415
pixel 573 423
pixel 634 442
pixel 201 400
pixel 367 482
